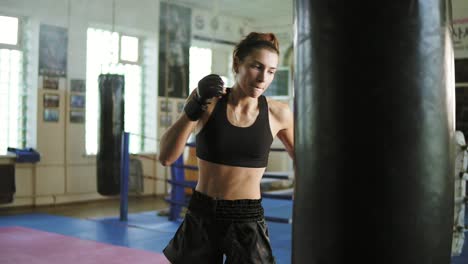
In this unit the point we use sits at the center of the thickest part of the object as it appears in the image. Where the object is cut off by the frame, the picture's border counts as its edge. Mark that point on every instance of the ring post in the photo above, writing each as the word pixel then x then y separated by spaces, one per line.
pixel 124 172
pixel 177 192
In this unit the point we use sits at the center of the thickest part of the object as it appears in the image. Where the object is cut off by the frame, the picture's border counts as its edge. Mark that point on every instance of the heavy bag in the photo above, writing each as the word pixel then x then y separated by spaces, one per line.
pixel 374 115
pixel 111 127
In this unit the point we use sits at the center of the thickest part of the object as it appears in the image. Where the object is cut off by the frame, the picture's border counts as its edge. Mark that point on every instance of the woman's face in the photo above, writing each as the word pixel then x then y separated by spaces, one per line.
pixel 256 71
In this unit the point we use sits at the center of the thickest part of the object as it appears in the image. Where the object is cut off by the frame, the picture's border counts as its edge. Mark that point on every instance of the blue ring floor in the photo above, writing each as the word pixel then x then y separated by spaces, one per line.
pixel 151 232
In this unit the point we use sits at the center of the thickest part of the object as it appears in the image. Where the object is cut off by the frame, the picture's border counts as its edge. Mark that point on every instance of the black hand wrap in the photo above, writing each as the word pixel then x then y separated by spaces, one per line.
pixel 194 108
pixel 208 87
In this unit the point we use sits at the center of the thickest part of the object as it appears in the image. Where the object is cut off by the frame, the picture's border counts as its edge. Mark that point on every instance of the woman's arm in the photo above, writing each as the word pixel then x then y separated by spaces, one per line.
pixel 173 141
pixel 286 133
pixel 287 137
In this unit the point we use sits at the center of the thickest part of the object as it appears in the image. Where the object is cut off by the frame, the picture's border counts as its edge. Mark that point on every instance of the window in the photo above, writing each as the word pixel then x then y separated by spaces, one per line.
pixel 13 92
pixel 129 49
pixel 200 65
pixel 201 59
pixel 280 86
pixel 9 31
pixel 112 52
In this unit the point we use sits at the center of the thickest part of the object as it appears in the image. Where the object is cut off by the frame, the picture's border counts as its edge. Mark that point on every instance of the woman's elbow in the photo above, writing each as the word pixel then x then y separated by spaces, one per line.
pixel 164 160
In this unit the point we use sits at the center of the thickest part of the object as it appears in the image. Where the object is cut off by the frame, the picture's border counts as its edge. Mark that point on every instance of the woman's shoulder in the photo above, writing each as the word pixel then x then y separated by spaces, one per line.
pixel 280 110
pixel 277 106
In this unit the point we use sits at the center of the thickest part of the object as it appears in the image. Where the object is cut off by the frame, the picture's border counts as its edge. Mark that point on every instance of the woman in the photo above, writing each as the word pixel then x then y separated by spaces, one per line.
pixel 234 131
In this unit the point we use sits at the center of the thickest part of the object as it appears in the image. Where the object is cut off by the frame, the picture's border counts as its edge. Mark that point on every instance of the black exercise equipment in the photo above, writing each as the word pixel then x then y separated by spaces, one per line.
pixel 111 127
pixel 374 132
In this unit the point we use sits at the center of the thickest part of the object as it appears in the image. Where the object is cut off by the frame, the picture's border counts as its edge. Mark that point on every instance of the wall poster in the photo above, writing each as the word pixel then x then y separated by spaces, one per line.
pixel 53 44
pixel 174 47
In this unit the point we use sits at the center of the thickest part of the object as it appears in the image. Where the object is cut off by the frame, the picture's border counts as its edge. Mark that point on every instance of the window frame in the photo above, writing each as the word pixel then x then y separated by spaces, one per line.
pixel 25 135
pixel 19 44
pixel 116 62
pixel 120 60
pixel 286 70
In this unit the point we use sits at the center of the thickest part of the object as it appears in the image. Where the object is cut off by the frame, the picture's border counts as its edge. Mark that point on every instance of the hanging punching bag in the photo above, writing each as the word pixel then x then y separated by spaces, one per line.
pixel 111 127
pixel 374 119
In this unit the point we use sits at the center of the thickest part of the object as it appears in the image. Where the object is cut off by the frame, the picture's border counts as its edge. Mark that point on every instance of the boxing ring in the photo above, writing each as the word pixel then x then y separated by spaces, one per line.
pixel 178 197
pixel 374 118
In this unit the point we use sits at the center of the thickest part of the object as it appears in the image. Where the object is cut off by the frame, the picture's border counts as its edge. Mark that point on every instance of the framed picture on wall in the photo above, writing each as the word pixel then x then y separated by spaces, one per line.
pixel 77 101
pixel 51 115
pixel 77 116
pixel 165 106
pixel 53 44
pixel 50 83
pixel 175 24
pixel 51 100
pixel 78 86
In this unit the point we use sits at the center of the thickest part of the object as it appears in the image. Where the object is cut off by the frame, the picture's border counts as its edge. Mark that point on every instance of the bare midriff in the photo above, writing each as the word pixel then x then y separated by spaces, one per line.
pixel 228 182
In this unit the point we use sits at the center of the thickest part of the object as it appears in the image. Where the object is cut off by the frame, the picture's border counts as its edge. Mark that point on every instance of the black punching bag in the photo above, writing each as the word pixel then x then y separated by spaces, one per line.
pixel 374 118
pixel 111 127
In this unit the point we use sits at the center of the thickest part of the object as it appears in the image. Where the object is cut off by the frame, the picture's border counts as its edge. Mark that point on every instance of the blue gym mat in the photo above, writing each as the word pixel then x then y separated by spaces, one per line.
pixel 121 235
pixel 280 234
pixel 148 231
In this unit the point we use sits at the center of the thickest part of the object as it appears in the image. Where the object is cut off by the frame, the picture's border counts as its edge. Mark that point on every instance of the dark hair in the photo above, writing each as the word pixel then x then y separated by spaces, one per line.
pixel 252 42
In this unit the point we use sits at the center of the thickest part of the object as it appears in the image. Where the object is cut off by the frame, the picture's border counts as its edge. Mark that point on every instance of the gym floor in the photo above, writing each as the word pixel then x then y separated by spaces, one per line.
pixel 92 233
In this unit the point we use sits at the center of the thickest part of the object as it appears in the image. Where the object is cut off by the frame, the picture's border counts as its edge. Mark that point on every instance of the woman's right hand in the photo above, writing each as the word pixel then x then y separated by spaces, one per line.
pixel 208 87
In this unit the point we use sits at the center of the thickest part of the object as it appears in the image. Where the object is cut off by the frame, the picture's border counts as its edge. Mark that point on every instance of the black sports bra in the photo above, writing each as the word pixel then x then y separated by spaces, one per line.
pixel 221 142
